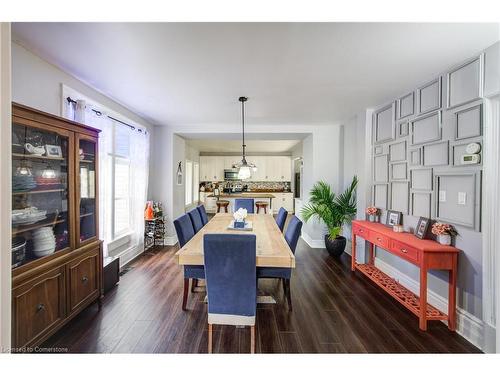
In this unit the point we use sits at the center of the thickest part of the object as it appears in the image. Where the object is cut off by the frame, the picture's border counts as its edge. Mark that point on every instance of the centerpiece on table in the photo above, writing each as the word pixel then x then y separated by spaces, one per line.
pixel 443 232
pixel 239 221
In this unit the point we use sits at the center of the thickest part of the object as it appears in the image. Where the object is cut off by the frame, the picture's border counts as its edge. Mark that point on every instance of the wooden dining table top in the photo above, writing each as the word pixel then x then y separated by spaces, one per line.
pixel 272 249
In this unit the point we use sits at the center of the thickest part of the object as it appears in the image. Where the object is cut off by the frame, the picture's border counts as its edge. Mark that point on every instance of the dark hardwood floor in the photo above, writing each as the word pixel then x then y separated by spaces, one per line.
pixel 334 311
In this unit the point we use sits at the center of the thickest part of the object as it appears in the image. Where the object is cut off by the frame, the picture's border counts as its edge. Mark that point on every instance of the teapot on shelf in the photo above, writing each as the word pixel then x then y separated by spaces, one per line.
pixel 36 150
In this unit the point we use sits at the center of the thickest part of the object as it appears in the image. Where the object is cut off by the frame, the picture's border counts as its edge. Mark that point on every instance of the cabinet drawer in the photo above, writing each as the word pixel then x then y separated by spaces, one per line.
pixel 38 306
pixel 379 240
pixel 358 231
pixel 405 251
pixel 83 279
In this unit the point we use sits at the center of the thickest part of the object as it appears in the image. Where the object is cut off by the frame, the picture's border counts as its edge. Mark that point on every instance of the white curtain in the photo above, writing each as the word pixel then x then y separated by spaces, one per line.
pixel 139 166
pixel 139 172
pixel 84 114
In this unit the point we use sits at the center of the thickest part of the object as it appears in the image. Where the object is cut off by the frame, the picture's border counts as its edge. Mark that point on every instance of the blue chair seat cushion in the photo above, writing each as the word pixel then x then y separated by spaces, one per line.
pixel 274 273
pixel 194 272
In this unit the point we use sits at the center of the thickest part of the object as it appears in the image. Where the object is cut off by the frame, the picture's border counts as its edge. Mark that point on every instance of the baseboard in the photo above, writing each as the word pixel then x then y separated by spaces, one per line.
pixel 468 326
pixel 170 240
pixel 315 244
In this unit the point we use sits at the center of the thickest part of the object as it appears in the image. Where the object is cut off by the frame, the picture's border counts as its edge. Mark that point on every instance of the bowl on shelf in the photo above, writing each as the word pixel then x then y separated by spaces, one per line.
pixel 18 251
pixel 29 215
pixel 44 242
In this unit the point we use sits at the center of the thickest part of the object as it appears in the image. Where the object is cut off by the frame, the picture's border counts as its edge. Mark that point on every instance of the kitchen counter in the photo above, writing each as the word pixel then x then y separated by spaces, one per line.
pixel 245 195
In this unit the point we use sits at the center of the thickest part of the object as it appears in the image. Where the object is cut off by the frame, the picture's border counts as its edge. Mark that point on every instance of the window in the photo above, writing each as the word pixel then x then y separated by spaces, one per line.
pixel 189 182
pixel 192 191
pixel 196 182
pixel 122 197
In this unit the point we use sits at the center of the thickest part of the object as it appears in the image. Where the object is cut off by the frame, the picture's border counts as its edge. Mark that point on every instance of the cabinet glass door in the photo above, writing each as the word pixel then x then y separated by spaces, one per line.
pixel 86 188
pixel 41 185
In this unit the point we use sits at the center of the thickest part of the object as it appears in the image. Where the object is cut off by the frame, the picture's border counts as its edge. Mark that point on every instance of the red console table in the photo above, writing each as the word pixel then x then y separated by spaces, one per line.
pixel 425 254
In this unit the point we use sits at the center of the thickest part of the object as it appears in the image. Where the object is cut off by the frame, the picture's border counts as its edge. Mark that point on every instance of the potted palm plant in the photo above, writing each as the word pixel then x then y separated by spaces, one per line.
pixel 334 210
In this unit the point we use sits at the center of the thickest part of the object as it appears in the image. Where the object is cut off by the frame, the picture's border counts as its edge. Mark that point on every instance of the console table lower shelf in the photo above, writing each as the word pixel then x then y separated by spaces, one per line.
pixel 404 296
pixel 425 254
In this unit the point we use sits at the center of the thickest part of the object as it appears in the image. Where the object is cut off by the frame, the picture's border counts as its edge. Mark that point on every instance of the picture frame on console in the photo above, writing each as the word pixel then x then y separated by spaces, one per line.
pixel 393 218
pixel 422 227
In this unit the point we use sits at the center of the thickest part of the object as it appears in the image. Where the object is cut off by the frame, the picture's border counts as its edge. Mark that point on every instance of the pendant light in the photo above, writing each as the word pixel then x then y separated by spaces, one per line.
pixel 244 168
pixel 49 172
pixel 24 169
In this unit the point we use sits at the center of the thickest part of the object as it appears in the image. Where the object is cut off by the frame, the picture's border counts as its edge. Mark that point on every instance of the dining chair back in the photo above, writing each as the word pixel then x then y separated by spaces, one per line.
pixel 244 203
pixel 195 217
pixel 293 232
pixel 281 218
pixel 230 270
pixel 203 214
pixel 184 229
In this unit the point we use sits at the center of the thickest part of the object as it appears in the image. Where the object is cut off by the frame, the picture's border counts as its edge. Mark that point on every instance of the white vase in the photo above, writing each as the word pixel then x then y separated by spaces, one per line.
pixel 372 218
pixel 444 239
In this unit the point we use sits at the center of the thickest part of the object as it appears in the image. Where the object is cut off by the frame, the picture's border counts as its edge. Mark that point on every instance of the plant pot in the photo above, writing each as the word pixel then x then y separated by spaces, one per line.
pixel 444 239
pixel 335 247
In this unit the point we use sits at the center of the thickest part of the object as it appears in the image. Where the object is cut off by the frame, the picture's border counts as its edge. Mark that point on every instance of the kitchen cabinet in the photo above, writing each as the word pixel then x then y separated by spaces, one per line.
pixel 269 168
pixel 229 161
pixel 284 200
pixel 211 204
pixel 211 168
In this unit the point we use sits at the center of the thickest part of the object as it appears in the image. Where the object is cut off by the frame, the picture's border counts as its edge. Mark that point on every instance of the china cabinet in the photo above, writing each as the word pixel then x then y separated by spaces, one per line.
pixel 56 251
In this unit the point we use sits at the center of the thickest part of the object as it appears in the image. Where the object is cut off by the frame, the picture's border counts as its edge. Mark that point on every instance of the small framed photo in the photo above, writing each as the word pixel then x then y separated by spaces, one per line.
pixel 53 151
pixel 422 226
pixel 393 218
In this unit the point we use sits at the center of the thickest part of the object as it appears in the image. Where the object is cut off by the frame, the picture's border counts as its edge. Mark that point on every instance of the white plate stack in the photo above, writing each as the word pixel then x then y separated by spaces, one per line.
pixel 44 242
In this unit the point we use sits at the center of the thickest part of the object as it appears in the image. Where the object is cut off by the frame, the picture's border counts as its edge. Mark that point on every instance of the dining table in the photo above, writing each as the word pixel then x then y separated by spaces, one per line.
pixel 272 250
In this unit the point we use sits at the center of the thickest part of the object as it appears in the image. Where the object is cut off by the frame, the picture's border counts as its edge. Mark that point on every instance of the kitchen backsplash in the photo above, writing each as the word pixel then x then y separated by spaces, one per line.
pixel 284 186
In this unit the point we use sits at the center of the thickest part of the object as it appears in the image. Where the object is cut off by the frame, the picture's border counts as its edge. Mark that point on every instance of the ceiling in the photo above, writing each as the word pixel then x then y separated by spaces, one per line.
pixel 234 146
pixel 184 74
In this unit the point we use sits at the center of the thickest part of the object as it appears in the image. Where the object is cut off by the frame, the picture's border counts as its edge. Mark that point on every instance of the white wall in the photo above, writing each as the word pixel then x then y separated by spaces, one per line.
pixel 38 84
pixel 321 151
pixel 5 187
pixel 357 160
pixel 357 163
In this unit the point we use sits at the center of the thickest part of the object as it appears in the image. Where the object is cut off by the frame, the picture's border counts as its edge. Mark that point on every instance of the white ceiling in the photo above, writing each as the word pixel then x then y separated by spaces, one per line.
pixel 294 73
pixel 234 146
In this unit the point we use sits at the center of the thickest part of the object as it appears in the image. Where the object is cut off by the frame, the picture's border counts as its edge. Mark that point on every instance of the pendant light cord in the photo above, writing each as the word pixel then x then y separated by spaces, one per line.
pixel 243 125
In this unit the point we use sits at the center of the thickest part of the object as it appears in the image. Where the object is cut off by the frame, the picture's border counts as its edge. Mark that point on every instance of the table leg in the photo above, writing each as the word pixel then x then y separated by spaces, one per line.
pixel 371 260
pixel 452 295
pixel 423 297
pixel 353 251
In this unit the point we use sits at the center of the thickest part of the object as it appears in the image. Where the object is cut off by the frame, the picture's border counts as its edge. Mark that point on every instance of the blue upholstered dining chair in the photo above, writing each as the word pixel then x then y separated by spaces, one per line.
pixel 281 218
pixel 203 214
pixel 195 217
pixel 292 237
pixel 185 231
pixel 244 203
pixel 231 281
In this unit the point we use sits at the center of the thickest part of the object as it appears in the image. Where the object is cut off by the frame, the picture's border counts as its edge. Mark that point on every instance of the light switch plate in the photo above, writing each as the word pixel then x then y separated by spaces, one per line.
pixel 462 197
pixel 442 195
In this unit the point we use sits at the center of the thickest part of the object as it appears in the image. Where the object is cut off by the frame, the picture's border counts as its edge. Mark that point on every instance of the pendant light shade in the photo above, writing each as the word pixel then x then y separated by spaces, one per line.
pixel 245 169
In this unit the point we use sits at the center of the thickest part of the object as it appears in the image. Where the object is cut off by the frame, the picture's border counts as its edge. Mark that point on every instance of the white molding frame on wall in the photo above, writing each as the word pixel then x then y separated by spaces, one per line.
pixel 5 186
pixel 491 222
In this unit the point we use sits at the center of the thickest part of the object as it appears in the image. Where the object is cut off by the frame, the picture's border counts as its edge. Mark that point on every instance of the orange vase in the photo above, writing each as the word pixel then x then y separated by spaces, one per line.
pixel 148 215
